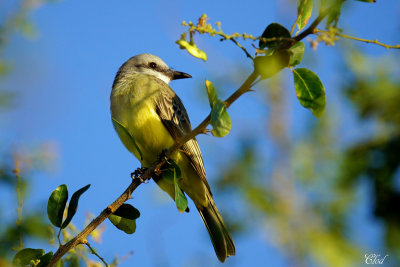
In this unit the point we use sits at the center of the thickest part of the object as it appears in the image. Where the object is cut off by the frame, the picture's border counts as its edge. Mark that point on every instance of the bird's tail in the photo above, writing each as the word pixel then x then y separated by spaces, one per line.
pixel 220 237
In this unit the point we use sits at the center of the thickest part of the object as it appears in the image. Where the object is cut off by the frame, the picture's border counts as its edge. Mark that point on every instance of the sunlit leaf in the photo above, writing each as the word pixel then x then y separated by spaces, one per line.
pixel 73 205
pixel 296 54
pixel 56 205
pixel 124 218
pixel 274 31
pixel 309 90
pixel 125 135
pixel 220 120
pixel 212 94
pixel 268 66
pixel 304 11
pixel 180 198
pixel 26 255
pixel 192 49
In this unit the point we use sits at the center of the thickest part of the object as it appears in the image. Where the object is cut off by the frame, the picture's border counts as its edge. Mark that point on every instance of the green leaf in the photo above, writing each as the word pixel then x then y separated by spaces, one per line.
pixel 73 205
pixel 124 218
pixel 192 49
pixel 125 135
pixel 180 198
pixel 334 13
pixel 309 90
pixel 45 259
pixel 268 66
pixel 277 31
pixel 212 94
pixel 56 205
pixel 304 11
pixel 296 54
pixel 26 255
pixel 168 171
pixel 220 120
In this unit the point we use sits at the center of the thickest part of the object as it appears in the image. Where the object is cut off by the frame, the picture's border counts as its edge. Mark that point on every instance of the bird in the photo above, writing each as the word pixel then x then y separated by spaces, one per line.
pixel 155 118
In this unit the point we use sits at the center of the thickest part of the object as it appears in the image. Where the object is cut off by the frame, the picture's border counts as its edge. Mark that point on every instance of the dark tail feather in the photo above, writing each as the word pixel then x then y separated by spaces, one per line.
pixel 220 237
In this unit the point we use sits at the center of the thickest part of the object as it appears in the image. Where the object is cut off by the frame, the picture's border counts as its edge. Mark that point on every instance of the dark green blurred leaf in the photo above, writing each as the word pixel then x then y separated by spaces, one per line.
pixel 304 11
pixel 274 30
pixel 296 54
pixel 127 211
pixel 125 135
pixel 124 218
pixel 180 198
pixel 220 120
pixel 26 255
pixel 268 66
pixel 56 205
pixel 73 205
pixel 45 259
pixel 309 90
pixel 212 94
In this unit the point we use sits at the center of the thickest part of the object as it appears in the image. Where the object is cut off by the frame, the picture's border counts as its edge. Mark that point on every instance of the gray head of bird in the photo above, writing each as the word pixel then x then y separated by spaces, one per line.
pixel 151 65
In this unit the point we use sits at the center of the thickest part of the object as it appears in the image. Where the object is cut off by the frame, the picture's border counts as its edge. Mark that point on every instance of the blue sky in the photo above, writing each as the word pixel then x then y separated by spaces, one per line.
pixel 63 77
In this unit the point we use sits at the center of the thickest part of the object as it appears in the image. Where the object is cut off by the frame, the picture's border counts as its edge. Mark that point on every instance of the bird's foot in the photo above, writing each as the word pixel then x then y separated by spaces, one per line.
pixel 137 174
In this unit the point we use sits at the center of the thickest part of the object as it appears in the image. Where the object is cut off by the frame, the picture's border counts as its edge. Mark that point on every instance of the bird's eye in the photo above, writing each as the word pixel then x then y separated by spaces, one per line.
pixel 153 65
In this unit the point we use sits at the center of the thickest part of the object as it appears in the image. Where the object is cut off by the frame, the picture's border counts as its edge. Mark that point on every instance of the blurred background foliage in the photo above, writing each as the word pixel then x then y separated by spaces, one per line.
pixel 302 194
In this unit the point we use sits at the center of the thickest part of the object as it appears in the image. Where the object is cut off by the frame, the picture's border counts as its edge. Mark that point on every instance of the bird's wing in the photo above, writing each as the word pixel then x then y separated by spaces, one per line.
pixel 175 118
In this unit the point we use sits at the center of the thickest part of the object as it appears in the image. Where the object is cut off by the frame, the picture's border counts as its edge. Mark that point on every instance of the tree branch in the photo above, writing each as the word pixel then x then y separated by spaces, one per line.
pixel 81 238
pixel 361 39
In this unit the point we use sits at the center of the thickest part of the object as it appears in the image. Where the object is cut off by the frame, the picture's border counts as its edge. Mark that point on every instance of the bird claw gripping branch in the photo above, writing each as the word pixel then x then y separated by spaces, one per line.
pixel 137 174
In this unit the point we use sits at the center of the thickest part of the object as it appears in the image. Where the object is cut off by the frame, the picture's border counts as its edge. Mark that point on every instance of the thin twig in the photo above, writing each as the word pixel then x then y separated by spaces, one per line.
pixel 95 253
pixel 360 39
pixel 242 47
pixel 58 236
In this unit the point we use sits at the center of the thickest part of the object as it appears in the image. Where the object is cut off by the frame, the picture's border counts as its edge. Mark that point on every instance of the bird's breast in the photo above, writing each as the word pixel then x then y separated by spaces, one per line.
pixel 139 117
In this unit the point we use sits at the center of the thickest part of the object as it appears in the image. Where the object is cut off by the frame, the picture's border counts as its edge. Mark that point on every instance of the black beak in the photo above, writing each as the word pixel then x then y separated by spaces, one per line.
pixel 179 75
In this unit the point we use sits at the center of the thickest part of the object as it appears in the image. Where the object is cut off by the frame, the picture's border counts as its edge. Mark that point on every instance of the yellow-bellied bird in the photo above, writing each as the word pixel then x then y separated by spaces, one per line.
pixel 143 103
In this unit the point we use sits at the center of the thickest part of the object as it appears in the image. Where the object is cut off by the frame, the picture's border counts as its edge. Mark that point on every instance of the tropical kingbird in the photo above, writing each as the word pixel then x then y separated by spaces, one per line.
pixel 155 118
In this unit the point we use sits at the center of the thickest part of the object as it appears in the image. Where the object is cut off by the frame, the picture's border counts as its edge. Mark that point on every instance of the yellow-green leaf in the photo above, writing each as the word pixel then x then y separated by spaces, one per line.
pixel 124 218
pixel 268 66
pixel 309 90
pixel 304 11
pixel 211 92
pixel 296 54
pixel 180 198
pixel 220 120
pixel 192 49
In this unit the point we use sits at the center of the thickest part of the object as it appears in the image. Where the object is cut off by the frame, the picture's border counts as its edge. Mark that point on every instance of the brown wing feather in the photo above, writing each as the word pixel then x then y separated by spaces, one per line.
pixel 175 118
